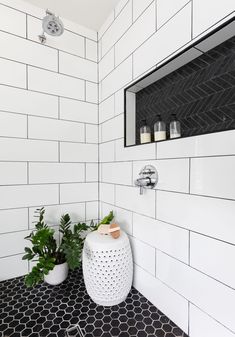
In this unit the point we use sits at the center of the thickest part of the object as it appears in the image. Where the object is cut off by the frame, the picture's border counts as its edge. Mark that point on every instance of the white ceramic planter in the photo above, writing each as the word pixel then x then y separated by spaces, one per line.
pixel 57 275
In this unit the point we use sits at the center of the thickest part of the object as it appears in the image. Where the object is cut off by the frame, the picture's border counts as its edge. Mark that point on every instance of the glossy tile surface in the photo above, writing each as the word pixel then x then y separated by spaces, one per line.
pixel 47 311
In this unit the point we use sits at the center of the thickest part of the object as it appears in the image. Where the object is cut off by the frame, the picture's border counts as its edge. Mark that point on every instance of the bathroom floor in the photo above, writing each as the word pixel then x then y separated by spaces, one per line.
pixel 47 311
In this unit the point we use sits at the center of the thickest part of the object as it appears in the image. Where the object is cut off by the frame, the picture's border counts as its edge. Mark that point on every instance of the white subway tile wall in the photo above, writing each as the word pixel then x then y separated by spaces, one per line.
pixel 78 192
pixel 143 28
pixel 106 65
pixel 167 9
pixel 182 232
pixel 55 83
pixel 107 109
pixel 155 49
pixel 46 120
pixel 208 327
pixel 54 212
pixel 139 6
pixel 13 73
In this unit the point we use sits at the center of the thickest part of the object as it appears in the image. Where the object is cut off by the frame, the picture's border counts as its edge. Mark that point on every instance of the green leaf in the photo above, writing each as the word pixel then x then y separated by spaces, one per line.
pixel 107 220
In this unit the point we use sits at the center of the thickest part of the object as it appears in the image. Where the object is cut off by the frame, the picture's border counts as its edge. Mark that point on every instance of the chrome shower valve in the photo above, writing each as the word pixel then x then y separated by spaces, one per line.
pixel 148 178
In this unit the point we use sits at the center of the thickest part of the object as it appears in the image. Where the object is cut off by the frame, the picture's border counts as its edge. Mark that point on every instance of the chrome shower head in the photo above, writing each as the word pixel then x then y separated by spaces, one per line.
pixel 52 25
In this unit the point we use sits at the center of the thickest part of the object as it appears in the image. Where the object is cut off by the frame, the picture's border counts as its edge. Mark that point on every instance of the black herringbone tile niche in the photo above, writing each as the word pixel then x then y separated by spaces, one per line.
pixel 201 93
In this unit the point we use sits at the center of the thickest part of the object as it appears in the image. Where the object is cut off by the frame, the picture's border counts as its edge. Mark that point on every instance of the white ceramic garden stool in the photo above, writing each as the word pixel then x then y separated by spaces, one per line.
pixel 107 268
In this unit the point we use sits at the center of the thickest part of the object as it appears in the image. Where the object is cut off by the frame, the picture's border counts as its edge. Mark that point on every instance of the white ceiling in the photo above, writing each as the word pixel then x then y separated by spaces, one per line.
pixel 89 13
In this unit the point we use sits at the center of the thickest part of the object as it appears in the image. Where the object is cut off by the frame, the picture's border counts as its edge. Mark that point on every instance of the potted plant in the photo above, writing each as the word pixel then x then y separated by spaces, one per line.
pixel 54 259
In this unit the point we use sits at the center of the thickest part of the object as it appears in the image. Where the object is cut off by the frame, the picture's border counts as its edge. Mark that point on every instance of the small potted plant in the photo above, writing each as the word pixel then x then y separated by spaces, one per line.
pixel 54 259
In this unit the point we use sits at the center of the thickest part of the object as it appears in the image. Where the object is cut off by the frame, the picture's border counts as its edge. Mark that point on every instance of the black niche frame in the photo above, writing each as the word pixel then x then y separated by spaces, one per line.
pixel 211 34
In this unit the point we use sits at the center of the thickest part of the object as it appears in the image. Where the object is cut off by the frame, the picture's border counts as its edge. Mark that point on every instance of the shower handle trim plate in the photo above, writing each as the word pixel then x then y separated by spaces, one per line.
pixel 148 178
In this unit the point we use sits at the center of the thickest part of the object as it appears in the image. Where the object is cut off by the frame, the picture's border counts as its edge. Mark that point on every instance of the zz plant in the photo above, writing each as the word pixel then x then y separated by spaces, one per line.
pixel 48 253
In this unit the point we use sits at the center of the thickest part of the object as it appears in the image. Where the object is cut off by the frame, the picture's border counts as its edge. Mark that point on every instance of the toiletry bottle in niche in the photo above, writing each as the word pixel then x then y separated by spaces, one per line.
pixel 175 129
pixel 159 129
pixel 145 133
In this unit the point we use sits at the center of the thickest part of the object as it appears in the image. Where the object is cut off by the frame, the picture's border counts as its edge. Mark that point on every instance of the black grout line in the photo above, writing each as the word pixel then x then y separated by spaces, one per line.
pixel 58 62
pixel 179 10
pixel 47 205
pixel 189 180
pixel 26 25
pixel 50 94
pixel 155 265
pixel 188 318
pixel 27 219
pixel 211 317
pixel 46 117
pixel 85 134
pixel 27 77
pixel 61 51
pixel 59 196
pixel 115 18
pixel 85 173
pixel 113 117
pixel 99 167
pixel 155 215
pixel 48 162
pixel 85 50
pixel 49 140
pixel 111 140
pixel 132 11
pixel 27 171
pixel 27 128
pixel 161 159
pixel 17 254
pixel 58 108
pixel 156 16
pixel 57 72
pixel 150 35
pixel 189 247
pixel 85 211
pixel 114 189
pixel 58 151
pixel 132 66
pixel 48 184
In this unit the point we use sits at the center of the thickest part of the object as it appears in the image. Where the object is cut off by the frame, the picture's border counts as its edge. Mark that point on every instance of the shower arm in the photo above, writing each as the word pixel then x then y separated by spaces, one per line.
pixel 42 38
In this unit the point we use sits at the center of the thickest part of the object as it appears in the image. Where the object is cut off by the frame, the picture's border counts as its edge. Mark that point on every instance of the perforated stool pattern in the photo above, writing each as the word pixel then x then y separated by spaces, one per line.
pixel 107 268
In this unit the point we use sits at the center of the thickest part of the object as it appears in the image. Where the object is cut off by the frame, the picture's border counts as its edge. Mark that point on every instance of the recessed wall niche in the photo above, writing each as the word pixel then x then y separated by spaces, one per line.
pixel 198 85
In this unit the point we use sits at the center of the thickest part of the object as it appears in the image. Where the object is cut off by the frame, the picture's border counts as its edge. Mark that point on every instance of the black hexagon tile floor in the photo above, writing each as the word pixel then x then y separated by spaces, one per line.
pixel 47 311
